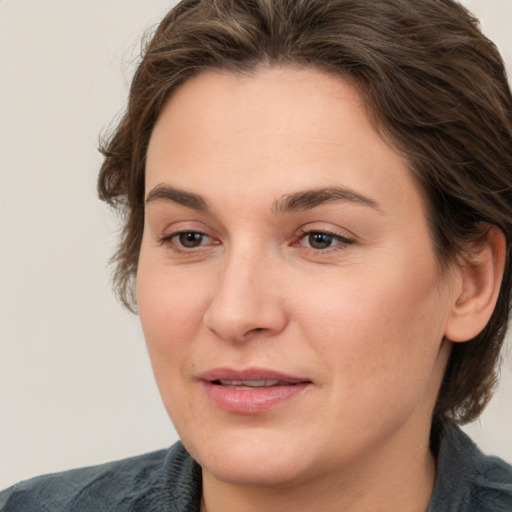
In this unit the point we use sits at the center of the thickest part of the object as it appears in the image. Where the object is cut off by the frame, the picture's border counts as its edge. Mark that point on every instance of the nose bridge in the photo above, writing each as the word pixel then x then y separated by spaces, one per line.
pixel 245 299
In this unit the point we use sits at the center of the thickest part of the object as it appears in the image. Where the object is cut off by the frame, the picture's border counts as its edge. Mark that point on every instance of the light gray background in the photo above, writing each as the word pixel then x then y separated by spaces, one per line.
pixel 75 383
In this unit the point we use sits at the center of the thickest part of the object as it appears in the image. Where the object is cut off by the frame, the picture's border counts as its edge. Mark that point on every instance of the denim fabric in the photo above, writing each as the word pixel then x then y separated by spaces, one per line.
pixel 170 481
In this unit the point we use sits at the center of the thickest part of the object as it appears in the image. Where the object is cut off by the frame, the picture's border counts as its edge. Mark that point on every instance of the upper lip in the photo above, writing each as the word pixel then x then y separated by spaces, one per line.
pixel 249 374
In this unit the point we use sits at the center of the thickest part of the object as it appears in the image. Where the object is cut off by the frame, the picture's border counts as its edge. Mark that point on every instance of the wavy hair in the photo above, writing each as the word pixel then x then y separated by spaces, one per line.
pixel 433 84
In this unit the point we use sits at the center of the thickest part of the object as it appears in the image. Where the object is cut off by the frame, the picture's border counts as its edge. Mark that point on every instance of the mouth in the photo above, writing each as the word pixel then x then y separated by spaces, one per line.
pixel 251 391
pixel 251 384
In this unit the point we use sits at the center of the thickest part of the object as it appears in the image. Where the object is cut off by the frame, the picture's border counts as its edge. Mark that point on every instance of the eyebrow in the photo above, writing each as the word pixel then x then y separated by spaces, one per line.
pixel 297 201
pixel 308 199
pixel 167 193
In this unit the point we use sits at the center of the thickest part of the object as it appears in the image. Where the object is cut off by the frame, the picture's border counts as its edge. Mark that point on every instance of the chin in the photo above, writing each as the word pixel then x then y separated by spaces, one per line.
pixel 250 459
pixel 273 472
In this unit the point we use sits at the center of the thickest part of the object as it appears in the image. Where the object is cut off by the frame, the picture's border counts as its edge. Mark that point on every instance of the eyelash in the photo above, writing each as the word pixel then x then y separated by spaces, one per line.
pixel 337 242
pixel 341 241
pixel 179 247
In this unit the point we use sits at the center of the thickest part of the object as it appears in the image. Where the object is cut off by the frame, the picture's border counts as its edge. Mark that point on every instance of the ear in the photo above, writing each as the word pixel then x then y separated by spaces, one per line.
pixel 479 278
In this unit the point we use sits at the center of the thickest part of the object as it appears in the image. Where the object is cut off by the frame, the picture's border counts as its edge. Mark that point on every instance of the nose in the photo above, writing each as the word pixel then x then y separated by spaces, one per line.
pixel 247 300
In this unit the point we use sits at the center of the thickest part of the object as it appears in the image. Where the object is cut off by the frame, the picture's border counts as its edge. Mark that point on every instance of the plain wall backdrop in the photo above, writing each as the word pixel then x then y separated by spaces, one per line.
pixel 75 382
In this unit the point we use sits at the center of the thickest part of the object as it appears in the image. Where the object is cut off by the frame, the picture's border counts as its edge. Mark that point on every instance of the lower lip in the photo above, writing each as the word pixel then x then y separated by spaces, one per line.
pixel 251 400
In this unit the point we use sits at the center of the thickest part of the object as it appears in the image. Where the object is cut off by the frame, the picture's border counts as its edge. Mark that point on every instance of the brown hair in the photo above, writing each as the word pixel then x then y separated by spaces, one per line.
pixel 435 86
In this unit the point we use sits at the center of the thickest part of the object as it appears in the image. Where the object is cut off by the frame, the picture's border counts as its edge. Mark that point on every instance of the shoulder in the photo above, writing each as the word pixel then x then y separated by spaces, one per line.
pixel 468 480
pixel 154 481
pixel 492 485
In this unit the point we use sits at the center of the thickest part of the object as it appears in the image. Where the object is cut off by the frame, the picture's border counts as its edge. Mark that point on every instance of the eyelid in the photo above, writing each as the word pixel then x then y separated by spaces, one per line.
pixel 167 229
pixel 168 239
pixel 309 228
pixel 167 236
pixel 184 232
pixel 342 240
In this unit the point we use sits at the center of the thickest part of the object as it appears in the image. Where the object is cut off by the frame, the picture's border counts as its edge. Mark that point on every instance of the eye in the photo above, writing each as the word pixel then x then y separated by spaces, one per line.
pixel 188 239
pixel 320 240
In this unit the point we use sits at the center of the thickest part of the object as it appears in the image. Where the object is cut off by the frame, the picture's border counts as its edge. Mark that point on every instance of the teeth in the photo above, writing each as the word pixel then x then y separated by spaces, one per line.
pixel 250 383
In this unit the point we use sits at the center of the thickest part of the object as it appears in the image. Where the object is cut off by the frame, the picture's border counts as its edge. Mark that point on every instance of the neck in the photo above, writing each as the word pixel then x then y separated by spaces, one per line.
pixel 398 479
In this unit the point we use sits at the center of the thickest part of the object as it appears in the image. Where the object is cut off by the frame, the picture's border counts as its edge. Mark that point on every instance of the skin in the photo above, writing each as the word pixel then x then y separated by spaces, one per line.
pixel 362 317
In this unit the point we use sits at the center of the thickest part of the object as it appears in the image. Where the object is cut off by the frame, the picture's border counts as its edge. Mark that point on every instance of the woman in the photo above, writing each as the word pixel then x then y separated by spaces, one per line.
pixel 317 240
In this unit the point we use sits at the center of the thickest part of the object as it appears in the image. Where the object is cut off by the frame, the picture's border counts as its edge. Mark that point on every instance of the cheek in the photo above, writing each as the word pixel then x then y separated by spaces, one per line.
pixel 385 326
pixel 171 308
pixel 379 345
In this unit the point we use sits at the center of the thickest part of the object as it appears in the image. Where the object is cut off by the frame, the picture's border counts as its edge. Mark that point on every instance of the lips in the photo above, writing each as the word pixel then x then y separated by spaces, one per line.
pixel 250 384
pixel 251 391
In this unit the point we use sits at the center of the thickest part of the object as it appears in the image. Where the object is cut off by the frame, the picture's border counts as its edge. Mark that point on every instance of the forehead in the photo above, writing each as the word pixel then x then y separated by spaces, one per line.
pixel 273 132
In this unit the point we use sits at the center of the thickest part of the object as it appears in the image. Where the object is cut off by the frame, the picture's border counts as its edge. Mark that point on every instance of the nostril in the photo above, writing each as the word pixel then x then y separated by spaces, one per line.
pixel 255 330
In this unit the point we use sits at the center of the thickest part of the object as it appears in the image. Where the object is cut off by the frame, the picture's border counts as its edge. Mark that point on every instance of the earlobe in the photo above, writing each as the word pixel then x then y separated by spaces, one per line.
pixel 480 276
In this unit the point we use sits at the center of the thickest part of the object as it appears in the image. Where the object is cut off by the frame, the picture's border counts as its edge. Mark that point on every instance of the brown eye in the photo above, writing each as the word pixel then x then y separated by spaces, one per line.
pixel 191 239
pixel 320 240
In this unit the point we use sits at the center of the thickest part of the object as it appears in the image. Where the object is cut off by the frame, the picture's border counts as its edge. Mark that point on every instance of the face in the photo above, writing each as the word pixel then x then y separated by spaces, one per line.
pixel 287 286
